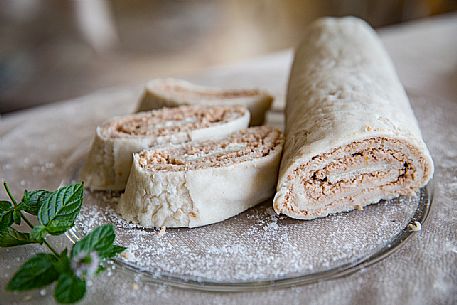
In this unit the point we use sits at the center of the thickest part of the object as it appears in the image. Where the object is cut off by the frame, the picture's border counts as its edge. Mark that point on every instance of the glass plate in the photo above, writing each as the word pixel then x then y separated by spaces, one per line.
pixel 256 249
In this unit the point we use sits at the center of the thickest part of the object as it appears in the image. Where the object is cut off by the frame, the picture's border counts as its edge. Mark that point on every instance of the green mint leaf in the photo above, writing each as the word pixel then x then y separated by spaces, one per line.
pixel 63 264
pixel 5 205
pixel 32 201
pixel 9 237
pixel 60 209
pixel 69 289
pixel 17 217
pixel 112 251
pixel 100 240
pixel 6 219
pixel 6 214
pixel 38 233
pixel 38 271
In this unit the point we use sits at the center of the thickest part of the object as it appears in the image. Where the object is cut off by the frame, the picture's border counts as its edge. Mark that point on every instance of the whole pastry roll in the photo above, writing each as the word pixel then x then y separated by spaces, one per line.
pixel 108 164
pixel 203 182
pixel 351 135
pixel 173 92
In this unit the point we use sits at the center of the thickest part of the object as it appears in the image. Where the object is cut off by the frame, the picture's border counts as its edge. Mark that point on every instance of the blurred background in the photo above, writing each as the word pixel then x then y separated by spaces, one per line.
pixel 58 49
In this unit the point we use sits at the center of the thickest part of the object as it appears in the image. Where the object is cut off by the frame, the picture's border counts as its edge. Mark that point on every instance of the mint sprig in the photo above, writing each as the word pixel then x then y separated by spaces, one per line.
pixel 56 213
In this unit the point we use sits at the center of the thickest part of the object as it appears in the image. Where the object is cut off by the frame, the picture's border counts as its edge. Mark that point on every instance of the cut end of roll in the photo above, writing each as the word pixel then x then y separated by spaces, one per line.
pixel 242 146
pixel 110 158
pixel 351 177
pixel 201 183
pixel 168 121
pixel 174 92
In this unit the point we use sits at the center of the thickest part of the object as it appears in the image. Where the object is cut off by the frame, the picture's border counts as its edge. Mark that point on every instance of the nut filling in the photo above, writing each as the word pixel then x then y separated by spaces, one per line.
pixel 242 146
pixel 170 121
pixel 352 172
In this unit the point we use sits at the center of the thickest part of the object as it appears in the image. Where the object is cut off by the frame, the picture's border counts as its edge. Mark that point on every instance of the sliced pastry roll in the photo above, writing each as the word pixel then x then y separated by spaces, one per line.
pixel 203 182
pixel 108 164
pixel 351 135
pixel 173 92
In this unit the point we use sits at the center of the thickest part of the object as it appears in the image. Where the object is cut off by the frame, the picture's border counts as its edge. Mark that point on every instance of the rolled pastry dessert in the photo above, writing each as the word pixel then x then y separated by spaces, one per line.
pixel 201 183
pixel 174 92
pixel 351 135
pixel 108 164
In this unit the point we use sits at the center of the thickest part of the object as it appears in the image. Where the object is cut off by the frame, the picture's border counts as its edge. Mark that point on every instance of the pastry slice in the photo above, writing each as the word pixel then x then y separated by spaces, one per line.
pixel 351 135
pixel 201 183
pixel 173 92
pixel 108 164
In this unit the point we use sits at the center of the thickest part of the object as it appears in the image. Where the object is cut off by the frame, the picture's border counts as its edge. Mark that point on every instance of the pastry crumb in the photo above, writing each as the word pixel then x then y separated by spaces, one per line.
pixel 415 227
pixel 358 207
pixel 127 255
pixel 162 231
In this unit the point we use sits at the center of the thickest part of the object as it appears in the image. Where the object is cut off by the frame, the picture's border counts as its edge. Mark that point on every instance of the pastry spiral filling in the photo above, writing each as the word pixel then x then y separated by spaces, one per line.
pixel 361 172
pixel 170 121
pixel 244 145
pixel 161 93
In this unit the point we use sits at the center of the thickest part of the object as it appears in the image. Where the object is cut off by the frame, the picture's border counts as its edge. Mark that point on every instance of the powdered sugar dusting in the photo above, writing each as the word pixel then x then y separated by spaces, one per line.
pixel 256 245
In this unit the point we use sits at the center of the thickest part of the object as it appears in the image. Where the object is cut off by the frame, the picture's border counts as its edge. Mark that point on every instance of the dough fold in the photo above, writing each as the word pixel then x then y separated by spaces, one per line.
pixel 200 183
pixel 351 135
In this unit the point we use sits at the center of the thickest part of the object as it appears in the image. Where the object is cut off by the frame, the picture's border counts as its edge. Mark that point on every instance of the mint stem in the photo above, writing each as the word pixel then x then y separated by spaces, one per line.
pixel 5 185
pixel 44 240
pixel 7 189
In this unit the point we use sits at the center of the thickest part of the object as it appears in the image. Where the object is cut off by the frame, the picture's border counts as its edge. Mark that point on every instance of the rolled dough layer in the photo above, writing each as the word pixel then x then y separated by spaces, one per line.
pixel 351 135
pixel 110 158
pixel 173 92
pixel 202 182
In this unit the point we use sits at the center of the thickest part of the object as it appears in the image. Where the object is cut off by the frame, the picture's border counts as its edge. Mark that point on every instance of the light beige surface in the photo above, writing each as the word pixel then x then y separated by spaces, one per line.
pixel 35 145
